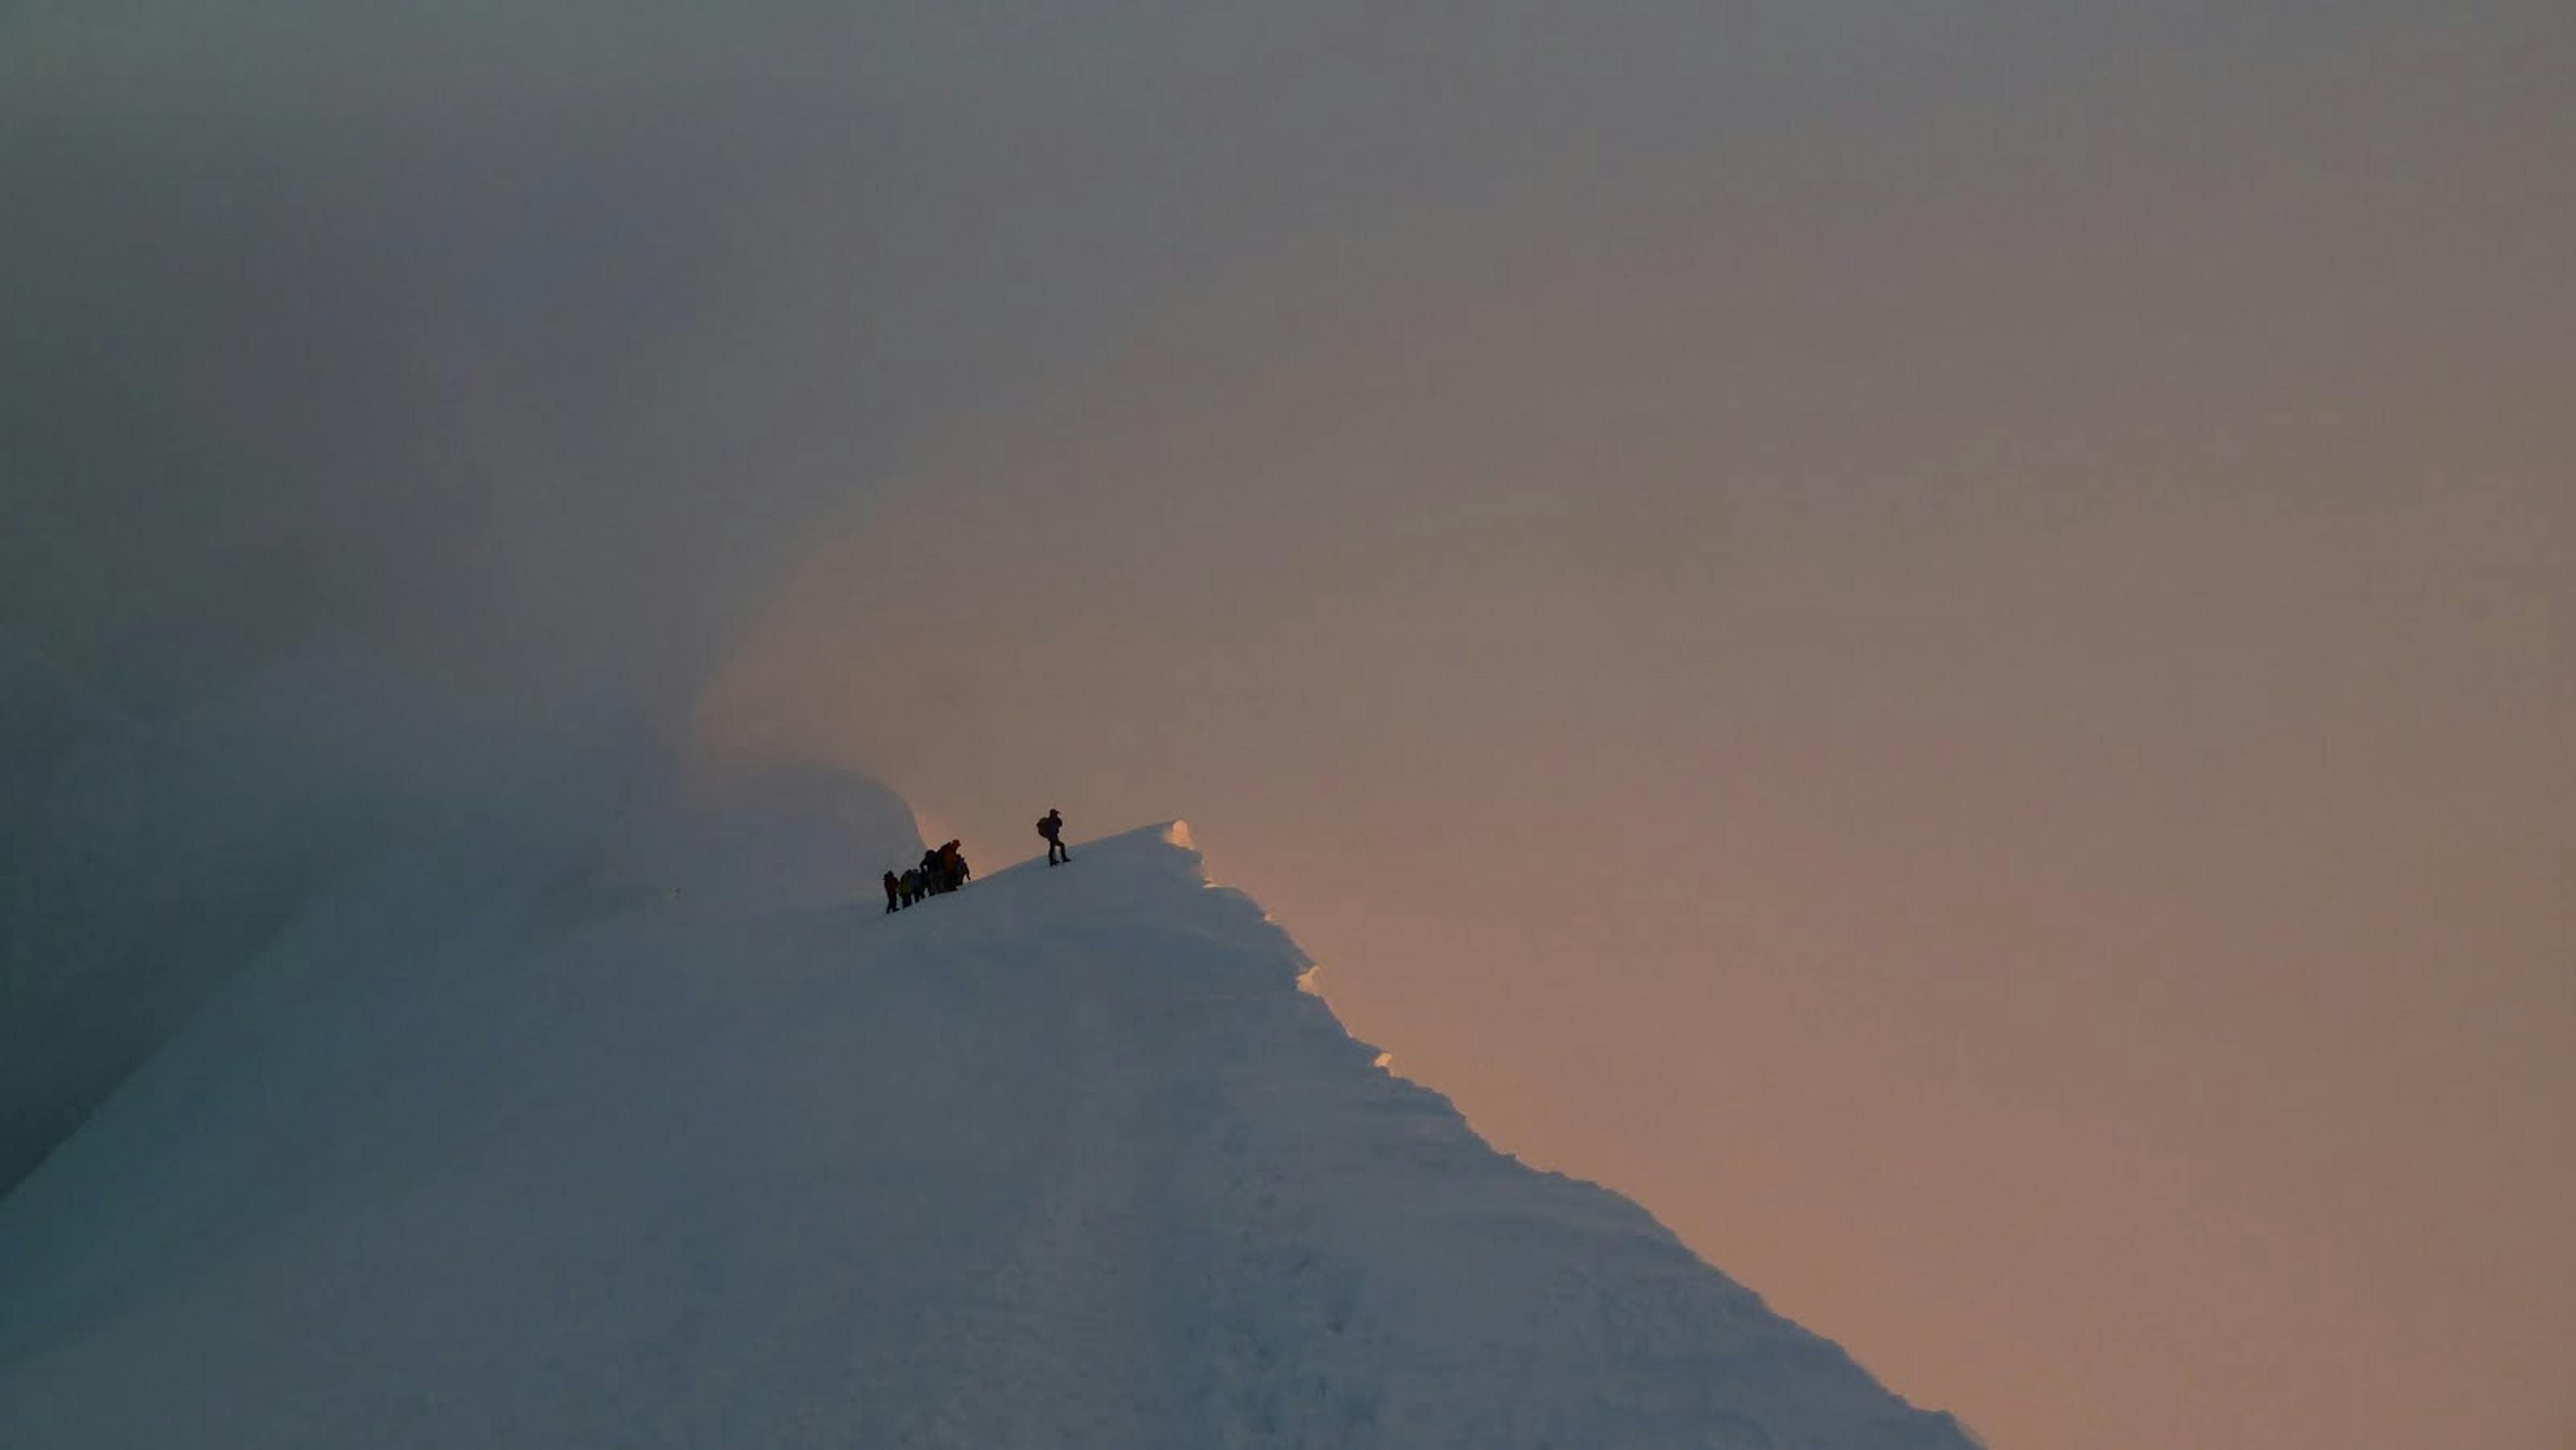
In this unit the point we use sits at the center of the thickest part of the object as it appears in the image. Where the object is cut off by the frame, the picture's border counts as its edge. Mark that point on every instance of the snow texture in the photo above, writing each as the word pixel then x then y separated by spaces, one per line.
pixel 506 1154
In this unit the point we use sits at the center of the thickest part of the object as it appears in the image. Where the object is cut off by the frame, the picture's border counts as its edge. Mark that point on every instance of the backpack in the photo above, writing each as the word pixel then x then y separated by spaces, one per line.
pixel 1046 828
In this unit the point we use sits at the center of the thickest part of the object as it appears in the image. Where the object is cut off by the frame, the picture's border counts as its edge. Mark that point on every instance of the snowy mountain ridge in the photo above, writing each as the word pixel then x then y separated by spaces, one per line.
pixel 519 1156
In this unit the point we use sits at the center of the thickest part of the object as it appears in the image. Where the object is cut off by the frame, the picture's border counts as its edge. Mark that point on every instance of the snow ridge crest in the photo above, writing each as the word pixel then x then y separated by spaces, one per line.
pixel 1063 1159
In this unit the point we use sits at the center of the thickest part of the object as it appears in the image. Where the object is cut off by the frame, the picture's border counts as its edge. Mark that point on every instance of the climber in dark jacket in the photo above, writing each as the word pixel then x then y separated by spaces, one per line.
pixel 894 892
pixel 1052 827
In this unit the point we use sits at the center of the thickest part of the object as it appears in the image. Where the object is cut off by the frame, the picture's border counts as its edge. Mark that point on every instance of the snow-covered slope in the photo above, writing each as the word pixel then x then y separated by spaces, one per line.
pixel 517 1157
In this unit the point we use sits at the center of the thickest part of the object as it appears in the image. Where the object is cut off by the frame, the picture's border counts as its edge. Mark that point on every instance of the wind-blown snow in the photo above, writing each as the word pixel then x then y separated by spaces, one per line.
pixel 1066 1159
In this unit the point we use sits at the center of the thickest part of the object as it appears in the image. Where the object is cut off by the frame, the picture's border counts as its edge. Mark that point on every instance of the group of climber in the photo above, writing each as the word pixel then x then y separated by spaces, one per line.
pixel 944 870
pixel 941 871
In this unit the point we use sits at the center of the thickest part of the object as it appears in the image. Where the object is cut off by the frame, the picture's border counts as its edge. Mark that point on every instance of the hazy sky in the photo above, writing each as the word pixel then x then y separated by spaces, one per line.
pixel 1934 638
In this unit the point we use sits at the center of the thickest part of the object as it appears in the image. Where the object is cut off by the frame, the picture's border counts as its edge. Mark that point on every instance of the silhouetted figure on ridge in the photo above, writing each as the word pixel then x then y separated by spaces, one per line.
pixel 1052 827
pixel 894 893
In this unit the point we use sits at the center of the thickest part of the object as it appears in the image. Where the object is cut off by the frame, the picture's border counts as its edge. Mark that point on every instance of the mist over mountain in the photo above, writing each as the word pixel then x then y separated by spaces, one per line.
pixel 493 365
pixel 488 363
pixel 447 368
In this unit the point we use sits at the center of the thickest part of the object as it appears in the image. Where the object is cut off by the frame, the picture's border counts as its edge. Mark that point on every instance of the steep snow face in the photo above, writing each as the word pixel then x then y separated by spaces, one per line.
pixel 1064 1159
pixel 145 865
pixel 143 868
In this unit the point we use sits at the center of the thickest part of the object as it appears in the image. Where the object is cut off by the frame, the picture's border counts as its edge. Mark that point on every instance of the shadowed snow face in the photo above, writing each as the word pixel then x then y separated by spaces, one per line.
pixel 1063 1159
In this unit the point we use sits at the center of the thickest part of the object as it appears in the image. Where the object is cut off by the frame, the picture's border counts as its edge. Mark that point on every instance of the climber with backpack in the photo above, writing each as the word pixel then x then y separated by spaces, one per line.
pixel 1052 827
